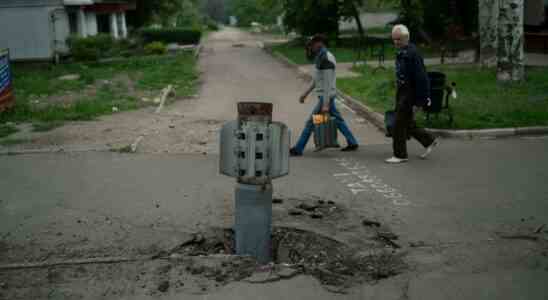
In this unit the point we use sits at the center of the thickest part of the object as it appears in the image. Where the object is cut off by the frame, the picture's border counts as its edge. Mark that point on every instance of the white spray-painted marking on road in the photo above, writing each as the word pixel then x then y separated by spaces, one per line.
pixel 358 179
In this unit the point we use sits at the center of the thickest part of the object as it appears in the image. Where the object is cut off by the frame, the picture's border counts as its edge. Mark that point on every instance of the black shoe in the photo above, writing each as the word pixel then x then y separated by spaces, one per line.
pixel 350 148
pixel 294 152
pixel 318 149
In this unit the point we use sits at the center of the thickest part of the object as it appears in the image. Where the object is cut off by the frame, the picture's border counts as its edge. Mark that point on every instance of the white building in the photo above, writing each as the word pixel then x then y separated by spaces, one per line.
pixel 38 29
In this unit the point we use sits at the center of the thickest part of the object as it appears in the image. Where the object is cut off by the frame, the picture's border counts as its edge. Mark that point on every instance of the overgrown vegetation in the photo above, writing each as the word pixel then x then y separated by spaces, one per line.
pixel 7 129
pixel 47 101
pixel 381 5
pixel 482 103
pixel 200 15
pixel 93 48
pixel 248 11
pixel 155 48
pixel 12 141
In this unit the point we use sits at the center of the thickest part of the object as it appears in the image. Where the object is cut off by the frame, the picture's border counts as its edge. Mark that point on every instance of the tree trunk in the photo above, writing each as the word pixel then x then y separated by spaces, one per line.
pixel 510 56
pixel 356 14
pixel 488 29
pixel 453 10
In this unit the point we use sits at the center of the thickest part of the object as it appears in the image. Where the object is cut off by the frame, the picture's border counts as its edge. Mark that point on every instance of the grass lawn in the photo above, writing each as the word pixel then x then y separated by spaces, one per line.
pixel 481 103
pixel 46 101
pixel 296 53
pixel 347 54
pixel 12 142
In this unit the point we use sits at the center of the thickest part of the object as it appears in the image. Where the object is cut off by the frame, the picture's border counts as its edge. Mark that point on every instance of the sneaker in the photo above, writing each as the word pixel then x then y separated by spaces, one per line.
pixel 350 148
pixel 294 152
pixel 429 149
pixel 396 160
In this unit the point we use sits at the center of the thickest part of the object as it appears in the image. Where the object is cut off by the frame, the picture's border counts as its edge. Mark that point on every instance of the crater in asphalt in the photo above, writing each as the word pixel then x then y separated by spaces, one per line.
pixel 296 251
pixel 339 249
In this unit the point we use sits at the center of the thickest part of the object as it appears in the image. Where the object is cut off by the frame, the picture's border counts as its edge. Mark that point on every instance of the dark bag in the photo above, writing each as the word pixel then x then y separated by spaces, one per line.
pixel 325 132
pixel 389 121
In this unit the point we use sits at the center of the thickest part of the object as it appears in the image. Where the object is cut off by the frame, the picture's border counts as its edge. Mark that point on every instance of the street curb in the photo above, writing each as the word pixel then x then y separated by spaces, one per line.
pixel 372 116
pixel 377 119
pixel 49 150
pixel 198 50
pixel 490 133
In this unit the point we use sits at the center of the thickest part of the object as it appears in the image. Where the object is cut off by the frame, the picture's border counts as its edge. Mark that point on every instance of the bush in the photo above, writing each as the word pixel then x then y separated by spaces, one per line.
pixel 100 46
pixel 171 35
pixel 91 48
pixel 210 24
pixel 155 48
pixel 126 48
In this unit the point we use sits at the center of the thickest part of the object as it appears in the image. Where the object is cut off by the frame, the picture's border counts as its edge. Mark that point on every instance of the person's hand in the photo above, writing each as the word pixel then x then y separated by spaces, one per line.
pixel 428 102
pixel 302 99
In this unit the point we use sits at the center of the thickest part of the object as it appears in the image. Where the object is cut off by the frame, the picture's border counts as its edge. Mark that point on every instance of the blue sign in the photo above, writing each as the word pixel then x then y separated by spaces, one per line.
pixel 6 89
pixel 5 72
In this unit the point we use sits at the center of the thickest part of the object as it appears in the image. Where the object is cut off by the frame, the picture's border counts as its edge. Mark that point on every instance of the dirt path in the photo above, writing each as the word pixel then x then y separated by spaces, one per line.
pixel 233 68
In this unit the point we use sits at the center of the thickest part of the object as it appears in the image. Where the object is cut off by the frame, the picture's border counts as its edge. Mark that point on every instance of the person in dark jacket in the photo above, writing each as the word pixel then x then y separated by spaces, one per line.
pixel 413 90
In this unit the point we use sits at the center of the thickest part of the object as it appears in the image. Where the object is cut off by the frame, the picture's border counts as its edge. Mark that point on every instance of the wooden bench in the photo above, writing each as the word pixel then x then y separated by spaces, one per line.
pixel 543 35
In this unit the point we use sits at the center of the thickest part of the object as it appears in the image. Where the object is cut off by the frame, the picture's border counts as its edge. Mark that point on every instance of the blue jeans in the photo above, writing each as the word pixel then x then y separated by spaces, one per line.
pixel 309 127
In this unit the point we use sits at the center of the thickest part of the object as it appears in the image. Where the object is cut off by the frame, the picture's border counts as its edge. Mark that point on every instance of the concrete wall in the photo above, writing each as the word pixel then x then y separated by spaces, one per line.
pixel 27 31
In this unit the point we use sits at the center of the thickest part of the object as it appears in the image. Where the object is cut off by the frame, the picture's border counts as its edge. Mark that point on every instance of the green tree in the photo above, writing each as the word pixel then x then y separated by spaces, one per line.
pixel 320 16
pixel 248 11
pixel 164 12
pixel 312 16
pixel 429 19
pixel 215 9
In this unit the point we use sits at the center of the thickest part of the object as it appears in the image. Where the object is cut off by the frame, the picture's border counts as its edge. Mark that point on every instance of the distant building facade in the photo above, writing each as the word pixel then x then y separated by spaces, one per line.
pixel 38 29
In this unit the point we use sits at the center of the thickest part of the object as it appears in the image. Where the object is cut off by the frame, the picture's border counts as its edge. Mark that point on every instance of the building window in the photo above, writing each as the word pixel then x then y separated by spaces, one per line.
pixel 103 23
pixel 73 22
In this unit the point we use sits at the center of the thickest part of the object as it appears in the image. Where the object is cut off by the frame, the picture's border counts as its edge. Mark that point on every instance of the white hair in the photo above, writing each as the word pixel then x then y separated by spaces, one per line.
pixel 402 29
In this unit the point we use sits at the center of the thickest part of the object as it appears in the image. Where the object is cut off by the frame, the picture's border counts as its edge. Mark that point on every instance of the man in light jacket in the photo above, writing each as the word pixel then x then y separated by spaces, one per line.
pixel 326 90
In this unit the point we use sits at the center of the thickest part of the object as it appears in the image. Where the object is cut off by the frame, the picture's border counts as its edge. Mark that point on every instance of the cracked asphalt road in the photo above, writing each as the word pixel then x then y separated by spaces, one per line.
pixel 466 218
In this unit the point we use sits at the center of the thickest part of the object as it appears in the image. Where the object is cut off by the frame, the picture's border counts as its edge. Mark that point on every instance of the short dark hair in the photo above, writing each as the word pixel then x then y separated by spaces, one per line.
pixel 318 38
